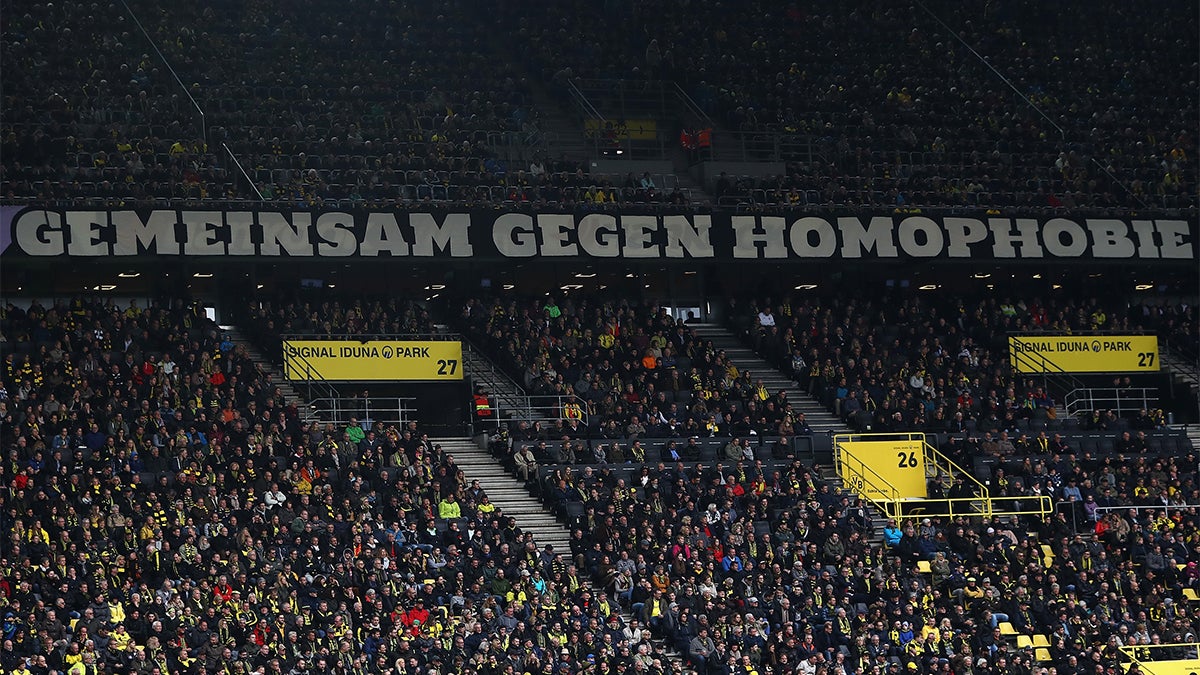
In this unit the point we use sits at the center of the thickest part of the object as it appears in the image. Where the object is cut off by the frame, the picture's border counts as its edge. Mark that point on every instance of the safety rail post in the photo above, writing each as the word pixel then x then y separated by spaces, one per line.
pixel 932 453
pixel 859 470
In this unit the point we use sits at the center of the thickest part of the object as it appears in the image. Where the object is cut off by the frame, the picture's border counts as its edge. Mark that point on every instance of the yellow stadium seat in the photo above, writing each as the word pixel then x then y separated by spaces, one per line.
pixel 1047 556
pixel 1190 594
pixel 1006 628
pixel 1024 641
pixel 1041 654
pixel 1040 640
pixel 1181 567
pixel 923 567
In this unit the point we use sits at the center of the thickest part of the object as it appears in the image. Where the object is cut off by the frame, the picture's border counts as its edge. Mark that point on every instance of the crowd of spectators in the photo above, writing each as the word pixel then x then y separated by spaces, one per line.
pixel 938 364
pixel 633 370
pixel 898 110
pixel 388 103
pixel 164 510
pixel 762 567
pixel 393 104
pixel 753 562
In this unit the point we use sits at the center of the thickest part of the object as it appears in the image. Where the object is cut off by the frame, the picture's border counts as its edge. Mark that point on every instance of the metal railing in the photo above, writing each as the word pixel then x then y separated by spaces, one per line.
pixel 502 390
pixel 981 507
pixel 762 146
pixel 1121 400
pixel 857 476
pixel 549 410
pixel 370 412
pixel 296 364
pixel 942 464
pixel 1179 658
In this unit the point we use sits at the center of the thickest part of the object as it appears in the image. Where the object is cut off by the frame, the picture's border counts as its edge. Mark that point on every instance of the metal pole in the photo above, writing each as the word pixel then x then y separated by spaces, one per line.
pixel 186 92
pixel 244 174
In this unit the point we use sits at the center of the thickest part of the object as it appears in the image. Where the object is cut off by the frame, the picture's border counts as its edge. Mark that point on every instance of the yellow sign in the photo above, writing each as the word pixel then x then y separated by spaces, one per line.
pixel 351 361
pixel 884 469
pixel 1083 353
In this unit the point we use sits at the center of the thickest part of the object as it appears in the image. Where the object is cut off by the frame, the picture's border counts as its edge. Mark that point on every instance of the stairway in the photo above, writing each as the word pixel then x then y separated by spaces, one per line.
pixel 818 416
pixel 510 496
pixel 1182 370
pixel 273 376
pixel 506 492
pixel 562 135
pixel 506 395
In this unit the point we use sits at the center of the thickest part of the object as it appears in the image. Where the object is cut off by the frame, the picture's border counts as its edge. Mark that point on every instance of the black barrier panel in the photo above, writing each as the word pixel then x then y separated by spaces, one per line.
pixel 321 234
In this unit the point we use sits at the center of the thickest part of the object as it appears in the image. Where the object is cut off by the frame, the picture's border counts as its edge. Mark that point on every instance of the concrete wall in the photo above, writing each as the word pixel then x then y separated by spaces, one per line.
pixel 636 166
pixel 708 172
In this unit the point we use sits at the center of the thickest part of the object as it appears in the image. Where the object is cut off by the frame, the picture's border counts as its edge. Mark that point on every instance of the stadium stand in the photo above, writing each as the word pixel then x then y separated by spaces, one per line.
pixel 937 363
pixel 395 120
pixel 164 510
pixel 898 111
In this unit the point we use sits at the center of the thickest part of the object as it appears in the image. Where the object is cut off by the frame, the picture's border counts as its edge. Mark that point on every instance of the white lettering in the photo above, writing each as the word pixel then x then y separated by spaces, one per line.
pixel 801 238
pixel 157 234
pixel 1144 230
pixel 279 235
pixel 1174 239
pixel 554 235
pixel 1026 236
pixel 598 236
pixel 962 232
pixel 337 232
pixel 1110 239
pixel 201 228
pixel 746 237
pixel 241 229
pixel 1052 238
pixel 935 240
pixel 452 235
pixel 514 236
pixel 383 235
pixel 40 233
pixel 683 237
pixel 85 228
pixel 637 236
pixel 857 239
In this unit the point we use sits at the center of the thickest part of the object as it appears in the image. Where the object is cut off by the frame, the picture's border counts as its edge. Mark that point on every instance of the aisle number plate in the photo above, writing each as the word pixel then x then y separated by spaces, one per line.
pixel 874 468
pixel 374 360
pixel 1083 353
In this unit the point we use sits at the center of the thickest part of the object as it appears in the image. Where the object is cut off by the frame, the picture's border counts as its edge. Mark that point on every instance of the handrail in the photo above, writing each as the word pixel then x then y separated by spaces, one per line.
pixel 692 106
pixel 372 410
pixel 583 102
pixel 983 507
pixel 868 491
pixel 936 455
pixel 1088 399
pixel 1040 366
pixel 308 370
pixel 1186 656
pixel 364 337
pixel 398 204
pixel 493 368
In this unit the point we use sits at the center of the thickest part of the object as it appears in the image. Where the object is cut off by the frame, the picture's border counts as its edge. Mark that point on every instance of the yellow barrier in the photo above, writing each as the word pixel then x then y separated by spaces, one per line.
pixel 858 476
pixel 970 507
pixel 863 460
pixel 1184 658
pixel 938 460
